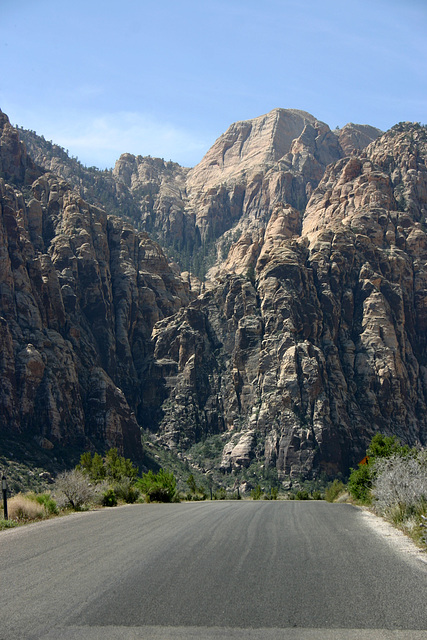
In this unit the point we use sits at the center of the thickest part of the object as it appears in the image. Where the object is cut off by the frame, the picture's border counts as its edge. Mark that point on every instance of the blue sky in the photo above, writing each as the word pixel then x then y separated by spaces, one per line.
pixel 167 77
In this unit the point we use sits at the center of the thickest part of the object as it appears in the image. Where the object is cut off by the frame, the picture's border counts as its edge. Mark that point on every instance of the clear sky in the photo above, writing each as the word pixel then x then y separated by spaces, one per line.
pixel 166 77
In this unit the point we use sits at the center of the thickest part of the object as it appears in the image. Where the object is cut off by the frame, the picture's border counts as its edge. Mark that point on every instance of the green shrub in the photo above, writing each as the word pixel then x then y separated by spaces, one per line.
pixel 94 467
pixel 7 524
pixel 160 487
pixel 302 494
pixel 361 479
pixel 48 502
pixel 220 494
pixel 192 483
pixel 333 490
pixel 256 493
pixel 112 467
pixel 385 446
pixel 109 498
pixel 118 467
pixel 360 483
pixel 126 490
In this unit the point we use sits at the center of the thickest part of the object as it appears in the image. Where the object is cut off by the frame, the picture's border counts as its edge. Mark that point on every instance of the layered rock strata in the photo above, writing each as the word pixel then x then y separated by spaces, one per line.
pixel 312 338
pixel 256 164
pixel 307 338
pixel 80 294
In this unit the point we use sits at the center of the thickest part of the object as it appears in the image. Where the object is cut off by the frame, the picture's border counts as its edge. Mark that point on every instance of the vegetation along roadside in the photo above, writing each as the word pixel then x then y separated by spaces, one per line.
pixel 391 480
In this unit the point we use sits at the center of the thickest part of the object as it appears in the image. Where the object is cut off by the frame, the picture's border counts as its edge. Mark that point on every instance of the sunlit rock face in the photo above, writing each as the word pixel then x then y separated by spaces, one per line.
pixel 306 338
pixel 311 335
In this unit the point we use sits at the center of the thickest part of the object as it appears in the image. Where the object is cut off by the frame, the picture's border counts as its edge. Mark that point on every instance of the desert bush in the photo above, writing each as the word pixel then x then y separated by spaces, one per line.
pixel 21 507
pixel 158 487
pixel 400 492
pixel 46 500
pixel 75 487
pixel 333 490
pixel 126 490
pixel 401 481
pixel 109 498
pixel 256 494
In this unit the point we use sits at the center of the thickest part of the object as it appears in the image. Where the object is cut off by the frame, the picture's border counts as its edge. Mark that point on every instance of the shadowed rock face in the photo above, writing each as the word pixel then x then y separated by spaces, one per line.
pixel 307 338
pixel 80 294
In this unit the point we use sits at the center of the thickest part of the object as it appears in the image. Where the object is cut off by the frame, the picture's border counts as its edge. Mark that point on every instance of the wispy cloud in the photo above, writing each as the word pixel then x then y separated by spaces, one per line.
pixel 100 140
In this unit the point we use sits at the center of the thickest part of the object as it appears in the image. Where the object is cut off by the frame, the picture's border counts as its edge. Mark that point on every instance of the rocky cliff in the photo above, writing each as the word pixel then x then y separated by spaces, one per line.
pixel 80 294
pixel 312 337
pixel 195 214
pixel 307 337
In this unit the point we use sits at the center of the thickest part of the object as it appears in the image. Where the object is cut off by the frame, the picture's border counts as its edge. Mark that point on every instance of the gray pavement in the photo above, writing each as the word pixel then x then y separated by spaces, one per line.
pixel 210 570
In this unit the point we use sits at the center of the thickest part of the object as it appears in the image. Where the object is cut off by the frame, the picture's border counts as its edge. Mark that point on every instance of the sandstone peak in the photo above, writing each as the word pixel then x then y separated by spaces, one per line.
pixel 250 145
pixel 357 136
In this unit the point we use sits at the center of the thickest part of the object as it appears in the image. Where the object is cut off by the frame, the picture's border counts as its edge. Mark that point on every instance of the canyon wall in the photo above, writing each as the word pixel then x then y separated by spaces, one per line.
pixel 306 338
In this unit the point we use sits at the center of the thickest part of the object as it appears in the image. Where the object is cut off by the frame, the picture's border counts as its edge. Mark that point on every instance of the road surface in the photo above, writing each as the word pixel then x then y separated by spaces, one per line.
pixel 215 570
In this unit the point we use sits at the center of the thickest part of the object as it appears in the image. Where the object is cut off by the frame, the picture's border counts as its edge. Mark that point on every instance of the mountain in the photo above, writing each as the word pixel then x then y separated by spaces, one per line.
pixel 305 339
pixel 313 337
pixel 274 158
pixel 80 294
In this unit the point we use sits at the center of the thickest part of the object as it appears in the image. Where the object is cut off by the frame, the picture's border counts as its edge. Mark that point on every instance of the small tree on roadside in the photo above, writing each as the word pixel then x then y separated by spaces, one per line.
pixel 93 466
pixel 192 484
pixel 118 467
pixel 333 490
pixel 112 467
pixel 75 487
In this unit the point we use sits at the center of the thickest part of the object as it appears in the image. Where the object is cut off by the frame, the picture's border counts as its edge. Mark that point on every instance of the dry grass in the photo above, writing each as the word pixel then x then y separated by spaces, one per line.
pixel 21 508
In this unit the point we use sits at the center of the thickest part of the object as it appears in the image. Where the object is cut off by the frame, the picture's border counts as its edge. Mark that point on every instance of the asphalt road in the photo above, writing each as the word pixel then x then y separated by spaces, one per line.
pixel 214 570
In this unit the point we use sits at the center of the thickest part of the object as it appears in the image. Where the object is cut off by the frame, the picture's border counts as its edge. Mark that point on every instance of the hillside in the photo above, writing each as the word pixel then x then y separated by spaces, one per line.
pixel 305 339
